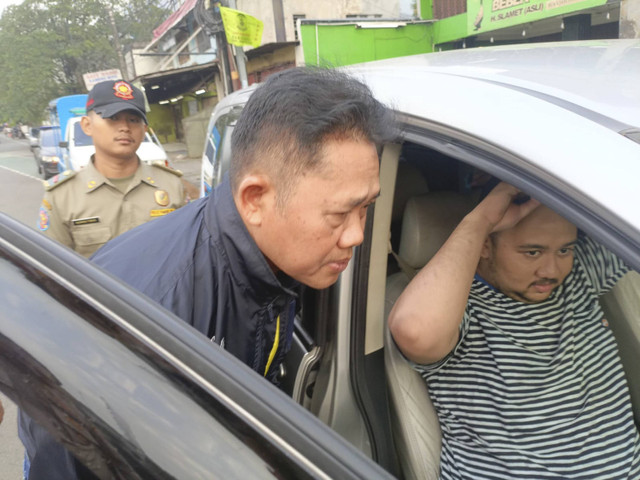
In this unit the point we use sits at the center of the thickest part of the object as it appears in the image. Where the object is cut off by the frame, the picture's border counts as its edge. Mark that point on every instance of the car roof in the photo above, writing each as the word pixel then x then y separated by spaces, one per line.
pixel 239 97
pixel 601 76
pixel 558 108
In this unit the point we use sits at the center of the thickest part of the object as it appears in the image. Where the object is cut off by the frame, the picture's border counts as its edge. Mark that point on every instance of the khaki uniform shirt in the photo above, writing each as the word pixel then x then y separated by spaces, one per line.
pixel 83 210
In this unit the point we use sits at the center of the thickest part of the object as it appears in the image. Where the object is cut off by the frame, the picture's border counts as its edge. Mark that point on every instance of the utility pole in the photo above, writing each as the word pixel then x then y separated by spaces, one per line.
pixel 242 67
pixel 116 44
pixel 223 49
pixel 208 16
pixel 278 19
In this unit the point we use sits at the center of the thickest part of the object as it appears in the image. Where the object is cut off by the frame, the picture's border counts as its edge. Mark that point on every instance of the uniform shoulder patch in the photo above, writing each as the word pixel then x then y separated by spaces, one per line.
pixel 58 180
pixel 159 164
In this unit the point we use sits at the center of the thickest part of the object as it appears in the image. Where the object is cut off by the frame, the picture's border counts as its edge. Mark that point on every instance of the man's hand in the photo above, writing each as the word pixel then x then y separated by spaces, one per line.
pixel 500 209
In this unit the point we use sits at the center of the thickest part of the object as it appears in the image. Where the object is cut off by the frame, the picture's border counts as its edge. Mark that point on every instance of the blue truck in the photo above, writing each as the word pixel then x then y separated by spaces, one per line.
pixel 61 109
pixel 49 155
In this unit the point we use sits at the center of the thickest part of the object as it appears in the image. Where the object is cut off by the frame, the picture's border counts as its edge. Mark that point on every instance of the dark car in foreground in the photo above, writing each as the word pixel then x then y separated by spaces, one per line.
pixel 134 392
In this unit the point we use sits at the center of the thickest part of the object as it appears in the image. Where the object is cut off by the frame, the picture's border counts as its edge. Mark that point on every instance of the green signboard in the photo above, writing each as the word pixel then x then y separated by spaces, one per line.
pixel 487 15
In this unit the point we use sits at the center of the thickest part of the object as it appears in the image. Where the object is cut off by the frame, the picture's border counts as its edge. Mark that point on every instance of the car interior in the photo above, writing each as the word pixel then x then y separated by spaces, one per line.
pixel 432 193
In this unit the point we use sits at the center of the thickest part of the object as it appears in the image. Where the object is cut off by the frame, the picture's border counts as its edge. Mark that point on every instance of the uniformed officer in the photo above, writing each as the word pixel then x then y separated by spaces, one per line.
pixel 115 191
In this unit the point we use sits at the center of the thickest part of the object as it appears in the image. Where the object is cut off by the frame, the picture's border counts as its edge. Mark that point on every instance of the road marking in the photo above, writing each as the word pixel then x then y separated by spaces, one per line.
pixel 21 173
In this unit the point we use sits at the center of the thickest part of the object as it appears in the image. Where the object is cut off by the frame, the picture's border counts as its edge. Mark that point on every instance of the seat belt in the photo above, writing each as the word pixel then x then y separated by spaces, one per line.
pixel 407 269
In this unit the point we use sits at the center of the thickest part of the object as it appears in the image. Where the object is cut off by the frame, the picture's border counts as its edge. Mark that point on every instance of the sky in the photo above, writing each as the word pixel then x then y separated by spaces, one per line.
pixel 6 3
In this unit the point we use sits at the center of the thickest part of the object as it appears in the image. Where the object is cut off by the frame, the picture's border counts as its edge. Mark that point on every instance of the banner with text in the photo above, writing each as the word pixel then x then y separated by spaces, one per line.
pixel 241 29
pixel 91 78
pixel 487 15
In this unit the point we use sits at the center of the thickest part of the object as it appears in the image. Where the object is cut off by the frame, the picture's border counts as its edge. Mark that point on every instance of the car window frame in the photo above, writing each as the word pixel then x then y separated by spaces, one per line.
pixel 590 217
pixel 600 223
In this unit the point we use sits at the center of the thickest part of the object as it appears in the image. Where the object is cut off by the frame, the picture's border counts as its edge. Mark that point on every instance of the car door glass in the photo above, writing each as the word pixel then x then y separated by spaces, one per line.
pixel 215 135
pixel 81 138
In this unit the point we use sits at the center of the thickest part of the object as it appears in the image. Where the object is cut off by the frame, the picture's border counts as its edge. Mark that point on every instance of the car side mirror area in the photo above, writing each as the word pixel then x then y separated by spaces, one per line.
pixel 63 144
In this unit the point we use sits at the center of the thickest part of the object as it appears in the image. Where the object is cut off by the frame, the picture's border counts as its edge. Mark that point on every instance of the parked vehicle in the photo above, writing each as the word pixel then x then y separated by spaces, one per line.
pixel 151 150
pixel 135 393
pixel 48 153
pixel 78 147
pixel 33 136
pixel 17 133
pixel 217 147
pixel 60 111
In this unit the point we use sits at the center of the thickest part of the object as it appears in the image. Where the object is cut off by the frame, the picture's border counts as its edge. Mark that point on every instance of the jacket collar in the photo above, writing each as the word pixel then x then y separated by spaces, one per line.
pixel 247 263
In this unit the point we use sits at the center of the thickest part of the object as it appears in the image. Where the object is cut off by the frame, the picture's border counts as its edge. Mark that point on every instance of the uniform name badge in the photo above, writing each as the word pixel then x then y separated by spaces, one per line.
pixel 161 212
pixel 85 221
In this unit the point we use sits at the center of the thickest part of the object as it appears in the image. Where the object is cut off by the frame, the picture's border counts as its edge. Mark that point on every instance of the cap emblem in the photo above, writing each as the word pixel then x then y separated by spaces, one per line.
pixel 123 90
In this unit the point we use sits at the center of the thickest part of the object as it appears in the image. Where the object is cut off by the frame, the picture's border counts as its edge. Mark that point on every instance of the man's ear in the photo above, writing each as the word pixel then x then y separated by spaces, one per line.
pixel 85 124
pixel 487 248
pixel 253 198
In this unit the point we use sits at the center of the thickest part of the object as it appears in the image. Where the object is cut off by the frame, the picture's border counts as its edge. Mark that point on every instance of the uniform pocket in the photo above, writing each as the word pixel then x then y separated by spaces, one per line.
pixel 87 239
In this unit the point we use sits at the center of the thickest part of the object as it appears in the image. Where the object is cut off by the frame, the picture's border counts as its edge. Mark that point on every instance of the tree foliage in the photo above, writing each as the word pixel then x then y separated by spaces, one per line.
pixel 49 44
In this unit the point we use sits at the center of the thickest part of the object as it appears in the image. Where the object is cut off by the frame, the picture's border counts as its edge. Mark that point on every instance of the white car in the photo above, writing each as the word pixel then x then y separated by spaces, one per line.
pixel 78 147
pixel 217 146
pixel 559 121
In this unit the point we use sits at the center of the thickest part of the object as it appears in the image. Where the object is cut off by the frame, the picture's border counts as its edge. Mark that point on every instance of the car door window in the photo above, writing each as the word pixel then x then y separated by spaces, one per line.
pixel 215 135
pixel 81 139
pixel 454 170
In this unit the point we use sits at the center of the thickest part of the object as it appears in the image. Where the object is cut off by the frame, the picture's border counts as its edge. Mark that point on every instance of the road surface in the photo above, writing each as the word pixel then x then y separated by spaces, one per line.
pixel 20 195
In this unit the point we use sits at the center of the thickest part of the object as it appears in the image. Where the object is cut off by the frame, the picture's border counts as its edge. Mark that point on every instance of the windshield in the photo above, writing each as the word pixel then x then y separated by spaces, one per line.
pixel 81 138
pixel 50 137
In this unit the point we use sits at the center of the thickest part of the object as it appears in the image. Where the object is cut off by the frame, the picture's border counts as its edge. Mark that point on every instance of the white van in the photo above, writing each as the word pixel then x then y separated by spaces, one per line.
pixel 217 145
pixel 78 147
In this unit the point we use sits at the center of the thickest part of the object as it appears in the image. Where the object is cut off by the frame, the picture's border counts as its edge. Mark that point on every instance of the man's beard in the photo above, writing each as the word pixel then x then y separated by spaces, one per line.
pixel 522 295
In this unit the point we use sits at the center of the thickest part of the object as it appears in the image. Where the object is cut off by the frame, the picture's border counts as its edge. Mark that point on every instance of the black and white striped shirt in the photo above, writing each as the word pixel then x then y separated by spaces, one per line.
pixel 536 391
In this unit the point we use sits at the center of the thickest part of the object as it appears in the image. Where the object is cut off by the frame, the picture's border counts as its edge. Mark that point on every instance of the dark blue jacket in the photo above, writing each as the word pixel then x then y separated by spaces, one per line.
pixel 201 263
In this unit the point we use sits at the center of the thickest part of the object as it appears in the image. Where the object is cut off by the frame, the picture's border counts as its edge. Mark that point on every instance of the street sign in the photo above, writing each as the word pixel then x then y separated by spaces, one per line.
pixel 90 79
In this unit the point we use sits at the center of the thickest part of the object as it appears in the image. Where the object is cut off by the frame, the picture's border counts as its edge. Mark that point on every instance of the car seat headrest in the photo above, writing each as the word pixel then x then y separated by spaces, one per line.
pixel 427 223
pixel 409 183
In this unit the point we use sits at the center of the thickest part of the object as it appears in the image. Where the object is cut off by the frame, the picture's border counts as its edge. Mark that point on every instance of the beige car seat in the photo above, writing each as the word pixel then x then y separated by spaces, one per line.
pixel 428 221
pixel 622 308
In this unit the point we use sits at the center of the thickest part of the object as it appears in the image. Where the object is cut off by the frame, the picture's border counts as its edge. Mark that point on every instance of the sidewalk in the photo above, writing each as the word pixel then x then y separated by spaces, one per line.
pixel 190 167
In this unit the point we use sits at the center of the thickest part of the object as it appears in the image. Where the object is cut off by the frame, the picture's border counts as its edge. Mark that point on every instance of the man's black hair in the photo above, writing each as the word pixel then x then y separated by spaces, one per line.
pixel 287 120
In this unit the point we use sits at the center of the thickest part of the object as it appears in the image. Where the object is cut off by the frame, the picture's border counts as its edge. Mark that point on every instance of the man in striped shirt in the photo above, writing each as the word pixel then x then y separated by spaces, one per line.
pixel 504 323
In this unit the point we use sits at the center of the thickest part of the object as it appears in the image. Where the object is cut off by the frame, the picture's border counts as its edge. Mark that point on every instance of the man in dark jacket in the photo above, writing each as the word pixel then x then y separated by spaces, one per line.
pixel 304 170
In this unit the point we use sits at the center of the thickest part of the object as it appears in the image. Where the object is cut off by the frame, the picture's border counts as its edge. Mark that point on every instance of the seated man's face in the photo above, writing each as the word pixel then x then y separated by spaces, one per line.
pixel 528 261
pixel 312 237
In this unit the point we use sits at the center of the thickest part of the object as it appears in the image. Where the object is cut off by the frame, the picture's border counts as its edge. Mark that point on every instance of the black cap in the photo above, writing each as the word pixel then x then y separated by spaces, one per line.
pixel 109 98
